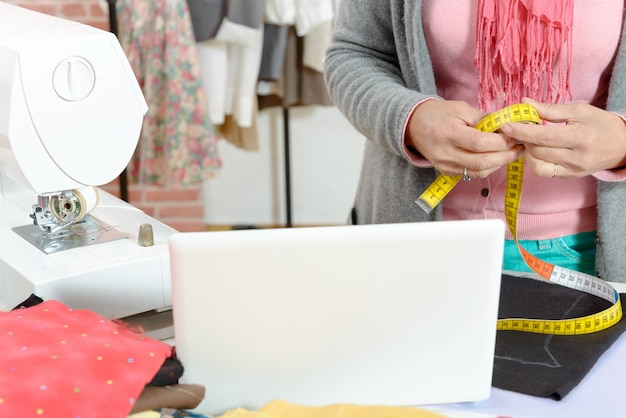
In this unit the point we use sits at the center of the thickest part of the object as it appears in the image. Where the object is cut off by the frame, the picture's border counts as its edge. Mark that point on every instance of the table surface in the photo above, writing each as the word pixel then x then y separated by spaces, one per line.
pixel 602 393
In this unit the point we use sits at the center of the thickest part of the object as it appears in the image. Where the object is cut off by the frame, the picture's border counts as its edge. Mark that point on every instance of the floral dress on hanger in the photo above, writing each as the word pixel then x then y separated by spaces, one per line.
pixel 178 144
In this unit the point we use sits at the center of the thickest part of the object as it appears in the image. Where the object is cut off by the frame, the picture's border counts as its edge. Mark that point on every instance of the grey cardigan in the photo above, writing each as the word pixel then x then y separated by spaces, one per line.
pixel 377 68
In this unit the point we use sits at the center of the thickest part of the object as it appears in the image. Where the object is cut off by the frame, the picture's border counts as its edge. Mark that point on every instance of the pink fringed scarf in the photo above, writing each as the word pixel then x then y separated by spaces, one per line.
pixel 520 44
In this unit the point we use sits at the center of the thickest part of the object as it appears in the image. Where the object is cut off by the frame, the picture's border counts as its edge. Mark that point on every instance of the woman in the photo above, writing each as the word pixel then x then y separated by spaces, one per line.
pixel 415 77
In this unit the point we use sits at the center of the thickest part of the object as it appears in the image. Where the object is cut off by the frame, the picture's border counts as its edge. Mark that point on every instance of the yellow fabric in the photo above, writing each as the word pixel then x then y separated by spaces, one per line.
pixel 281 409
pixel 145 414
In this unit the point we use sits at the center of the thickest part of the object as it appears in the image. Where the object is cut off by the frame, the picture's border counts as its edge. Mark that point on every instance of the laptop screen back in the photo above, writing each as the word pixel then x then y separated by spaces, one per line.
pixel 395 314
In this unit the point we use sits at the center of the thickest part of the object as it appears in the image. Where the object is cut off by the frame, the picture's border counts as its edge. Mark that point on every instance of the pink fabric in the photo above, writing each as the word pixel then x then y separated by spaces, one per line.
pixel 519 46
pixel 59 362
pixel 549 207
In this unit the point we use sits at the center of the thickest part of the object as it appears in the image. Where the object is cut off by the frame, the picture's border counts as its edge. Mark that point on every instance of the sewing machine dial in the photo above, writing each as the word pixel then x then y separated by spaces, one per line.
pixel 73 79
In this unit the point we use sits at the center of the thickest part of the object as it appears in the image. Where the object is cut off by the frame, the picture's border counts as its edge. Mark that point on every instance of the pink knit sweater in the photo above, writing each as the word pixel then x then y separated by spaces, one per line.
pixel 549 207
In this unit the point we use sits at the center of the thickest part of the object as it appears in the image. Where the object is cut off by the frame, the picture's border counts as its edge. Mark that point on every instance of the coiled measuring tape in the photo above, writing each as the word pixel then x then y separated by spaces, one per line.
pixel 583 282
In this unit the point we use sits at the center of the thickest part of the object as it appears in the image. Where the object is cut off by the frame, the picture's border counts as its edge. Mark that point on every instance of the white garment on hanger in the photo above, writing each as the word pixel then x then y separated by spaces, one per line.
pixel 213 57
pixel 303 14
pixel 311 13
pixel 312 20
pixel 236 33
pixel 315 44
pixel 280 12
pixel 317 41
pixel 230 67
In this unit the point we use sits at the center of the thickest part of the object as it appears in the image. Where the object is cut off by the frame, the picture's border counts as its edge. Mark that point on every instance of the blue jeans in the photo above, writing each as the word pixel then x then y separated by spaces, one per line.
pixel 574 252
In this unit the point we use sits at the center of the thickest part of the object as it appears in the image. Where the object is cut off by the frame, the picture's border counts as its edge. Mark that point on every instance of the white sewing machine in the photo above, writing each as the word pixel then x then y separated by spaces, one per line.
pixel 71 112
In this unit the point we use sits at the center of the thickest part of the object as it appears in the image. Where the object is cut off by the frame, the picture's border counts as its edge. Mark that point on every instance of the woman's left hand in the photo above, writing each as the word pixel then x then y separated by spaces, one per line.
pixel 580 139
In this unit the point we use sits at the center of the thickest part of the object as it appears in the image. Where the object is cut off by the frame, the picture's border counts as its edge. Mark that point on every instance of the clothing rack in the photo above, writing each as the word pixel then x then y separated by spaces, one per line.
pixel 286 140
pixel 123 178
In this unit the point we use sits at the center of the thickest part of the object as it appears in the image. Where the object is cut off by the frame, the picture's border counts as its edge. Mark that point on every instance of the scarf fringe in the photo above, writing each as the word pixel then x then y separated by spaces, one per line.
pixel 520 46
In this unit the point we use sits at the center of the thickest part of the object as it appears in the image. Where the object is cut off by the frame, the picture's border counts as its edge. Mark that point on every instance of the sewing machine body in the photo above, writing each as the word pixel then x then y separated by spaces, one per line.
pixel 71 112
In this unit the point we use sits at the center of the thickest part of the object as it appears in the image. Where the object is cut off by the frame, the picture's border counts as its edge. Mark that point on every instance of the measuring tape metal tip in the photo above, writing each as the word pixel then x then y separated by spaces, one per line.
pixel 424 205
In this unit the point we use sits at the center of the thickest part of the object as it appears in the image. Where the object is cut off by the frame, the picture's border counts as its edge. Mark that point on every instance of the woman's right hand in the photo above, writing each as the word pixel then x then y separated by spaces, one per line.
pixel 444 133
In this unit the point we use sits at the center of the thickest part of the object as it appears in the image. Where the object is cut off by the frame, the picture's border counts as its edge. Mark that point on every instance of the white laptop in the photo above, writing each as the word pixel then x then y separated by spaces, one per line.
pixel 395 314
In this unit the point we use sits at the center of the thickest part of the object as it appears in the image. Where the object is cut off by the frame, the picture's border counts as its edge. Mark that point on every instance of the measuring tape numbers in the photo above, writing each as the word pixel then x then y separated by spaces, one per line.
pixel 443 184
pixel 583 282
pixel 555 274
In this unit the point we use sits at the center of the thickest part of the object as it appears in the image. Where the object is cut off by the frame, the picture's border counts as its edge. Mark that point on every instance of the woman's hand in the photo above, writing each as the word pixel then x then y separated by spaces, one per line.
pixel 580 140
pixel 443 132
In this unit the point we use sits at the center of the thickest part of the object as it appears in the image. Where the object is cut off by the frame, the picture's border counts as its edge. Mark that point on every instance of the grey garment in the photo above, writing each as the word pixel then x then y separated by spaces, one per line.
pixel 207 15
pixel 246 12
pixel 299 84
pixel 274 49
pixel 376 70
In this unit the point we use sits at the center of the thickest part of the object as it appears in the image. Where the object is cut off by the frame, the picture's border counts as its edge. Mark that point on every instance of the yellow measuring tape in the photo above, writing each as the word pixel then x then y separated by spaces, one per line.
pixel 583 282
pixel 443 184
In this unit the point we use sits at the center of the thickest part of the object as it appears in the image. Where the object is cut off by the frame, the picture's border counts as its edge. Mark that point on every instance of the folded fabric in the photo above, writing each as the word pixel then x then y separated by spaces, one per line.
pixel 146 414
pixel 60 362
pixel 547 365
pixel 168 413
pixel 170 371
pixel 32 300
pixel 281 409
pixel 181 396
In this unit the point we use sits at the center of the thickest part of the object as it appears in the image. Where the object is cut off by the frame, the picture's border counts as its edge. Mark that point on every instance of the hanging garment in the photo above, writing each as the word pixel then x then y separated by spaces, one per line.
pixel 230 57
pixel 230 54
pixel 318 39
pixel 206 17
pixel 312 20
pixel 178 144
pixel 299 85
pixel 273 54
pixel 241 42
pixel 309 26
pixel 303 14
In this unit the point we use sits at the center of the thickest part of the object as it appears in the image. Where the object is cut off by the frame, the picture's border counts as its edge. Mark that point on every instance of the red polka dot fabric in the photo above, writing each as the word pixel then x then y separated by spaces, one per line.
pixel 60 362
